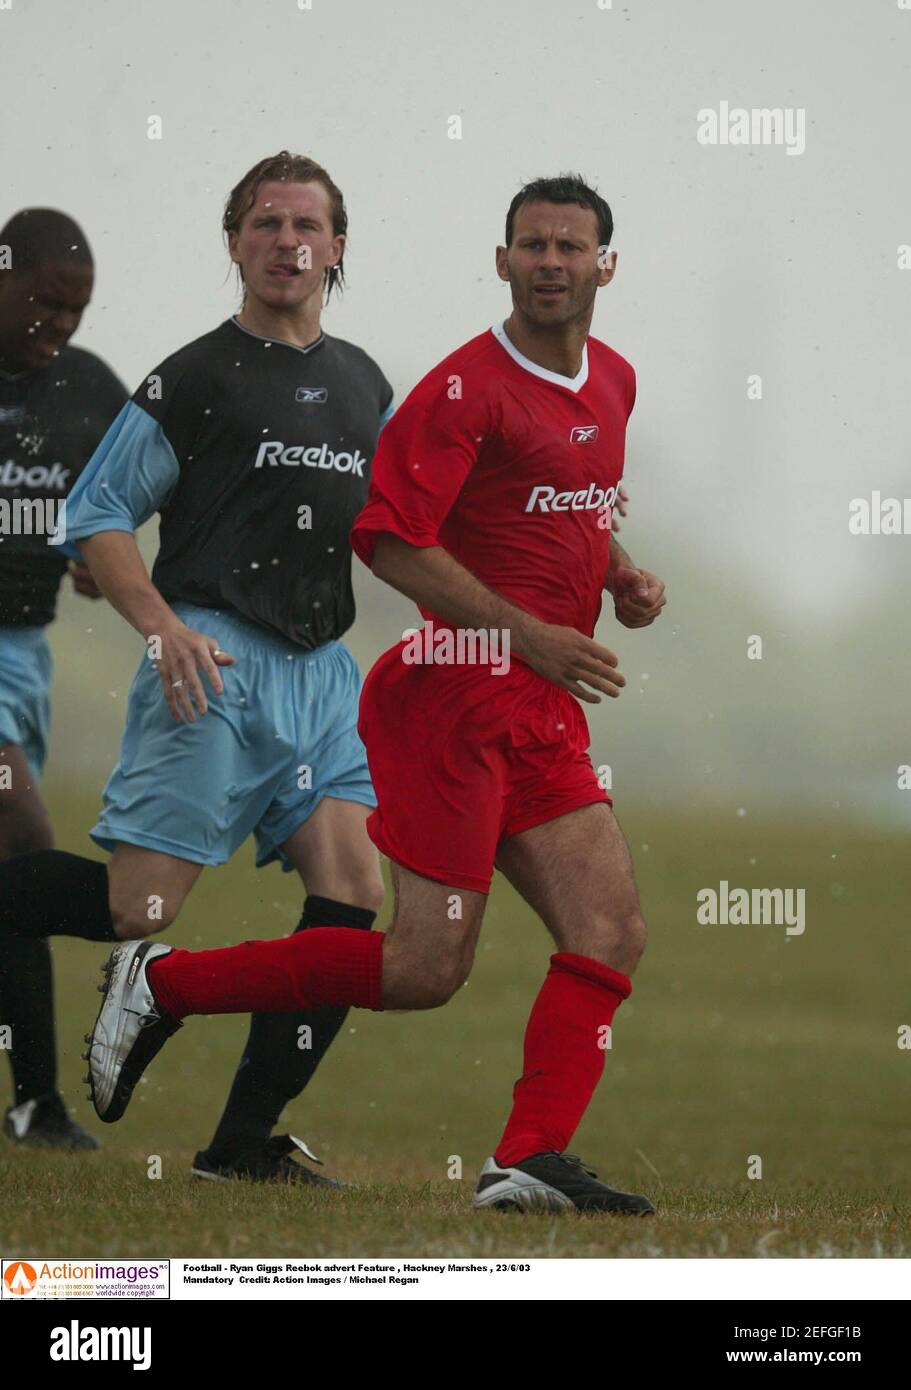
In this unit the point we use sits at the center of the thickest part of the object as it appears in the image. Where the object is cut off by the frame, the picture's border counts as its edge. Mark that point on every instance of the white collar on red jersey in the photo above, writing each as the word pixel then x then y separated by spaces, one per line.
pixel 572 383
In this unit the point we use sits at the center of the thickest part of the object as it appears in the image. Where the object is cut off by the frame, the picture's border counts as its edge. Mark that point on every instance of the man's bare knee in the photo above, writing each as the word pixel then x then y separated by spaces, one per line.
pixel 425 994
pixel 24 824
pixel 634 936
pixel 617 941
pixel 430 945
pixel 137 918
pixel 146 891
pixel 623 942
pixel 366 891
pixel 419 985
pixel 373 895
pixel 24 835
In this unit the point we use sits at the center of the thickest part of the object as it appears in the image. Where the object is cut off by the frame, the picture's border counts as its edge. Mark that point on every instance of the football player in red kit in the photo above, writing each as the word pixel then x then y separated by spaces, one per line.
pixel 490 506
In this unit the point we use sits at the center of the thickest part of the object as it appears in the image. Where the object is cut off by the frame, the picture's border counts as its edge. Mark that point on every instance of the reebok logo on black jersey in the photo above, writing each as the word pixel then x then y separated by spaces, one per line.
pixel 13 474
pixel 317 456
pixel 312 395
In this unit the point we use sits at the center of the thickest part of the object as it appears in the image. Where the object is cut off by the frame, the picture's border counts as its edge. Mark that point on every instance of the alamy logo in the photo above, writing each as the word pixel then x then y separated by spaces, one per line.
pixel 757 907
pixel 75 1343
pixel 583 434
pixel 881 516
pixel 34 516
pixel 312 395
pixel 547 499
pixel 760 125
pixel 273 452
pixel 461 646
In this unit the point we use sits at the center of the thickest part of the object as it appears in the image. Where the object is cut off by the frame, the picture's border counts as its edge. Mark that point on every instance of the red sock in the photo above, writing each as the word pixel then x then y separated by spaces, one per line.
pixel 323 965
pixel 564 1055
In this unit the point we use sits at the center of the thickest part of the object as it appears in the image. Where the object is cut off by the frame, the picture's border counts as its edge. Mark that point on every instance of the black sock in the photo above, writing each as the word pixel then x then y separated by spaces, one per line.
pixel 27 1008
pixel 53 893
pixel 273 1069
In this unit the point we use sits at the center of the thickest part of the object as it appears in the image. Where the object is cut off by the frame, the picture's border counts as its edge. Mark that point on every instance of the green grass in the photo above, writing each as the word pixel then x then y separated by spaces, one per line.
pixel 91 1208
pixel 737 1041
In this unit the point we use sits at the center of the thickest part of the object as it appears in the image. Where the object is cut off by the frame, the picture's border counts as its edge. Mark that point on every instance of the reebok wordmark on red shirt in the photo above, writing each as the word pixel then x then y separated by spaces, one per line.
pixel 511 468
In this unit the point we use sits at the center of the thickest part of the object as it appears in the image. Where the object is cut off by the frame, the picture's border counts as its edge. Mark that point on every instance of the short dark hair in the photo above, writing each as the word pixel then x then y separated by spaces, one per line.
pixel 288 168
pixel 565 188
pixel 35 235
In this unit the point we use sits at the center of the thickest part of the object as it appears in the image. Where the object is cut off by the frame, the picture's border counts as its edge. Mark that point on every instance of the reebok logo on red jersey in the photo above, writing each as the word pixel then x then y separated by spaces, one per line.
pixel 319 456
pixel 592 498
pixel 583 434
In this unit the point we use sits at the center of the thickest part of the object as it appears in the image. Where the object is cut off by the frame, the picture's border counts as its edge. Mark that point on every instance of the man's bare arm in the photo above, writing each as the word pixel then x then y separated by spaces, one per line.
pixel 433 578
pixel 638 594
pixel 619 559
pixel 120 573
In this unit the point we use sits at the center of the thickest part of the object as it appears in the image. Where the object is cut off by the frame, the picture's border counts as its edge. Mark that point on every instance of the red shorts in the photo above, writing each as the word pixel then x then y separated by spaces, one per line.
pixel 461 759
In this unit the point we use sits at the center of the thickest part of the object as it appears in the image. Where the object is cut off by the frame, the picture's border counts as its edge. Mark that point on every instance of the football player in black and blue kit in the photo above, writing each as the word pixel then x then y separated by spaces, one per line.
pixel 56 402
pixel 253 443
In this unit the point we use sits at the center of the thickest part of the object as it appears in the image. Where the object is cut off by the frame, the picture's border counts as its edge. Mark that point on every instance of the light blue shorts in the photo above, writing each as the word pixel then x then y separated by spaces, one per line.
pixel 25 682
pixel 281 738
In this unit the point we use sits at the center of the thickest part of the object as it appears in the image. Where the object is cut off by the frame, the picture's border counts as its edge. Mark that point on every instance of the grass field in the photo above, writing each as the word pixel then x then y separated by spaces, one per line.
pixel 738 1041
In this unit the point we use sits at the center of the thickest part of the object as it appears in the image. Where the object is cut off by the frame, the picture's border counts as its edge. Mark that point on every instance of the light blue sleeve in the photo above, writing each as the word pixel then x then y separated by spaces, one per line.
pixel 129 478
pixel 387 414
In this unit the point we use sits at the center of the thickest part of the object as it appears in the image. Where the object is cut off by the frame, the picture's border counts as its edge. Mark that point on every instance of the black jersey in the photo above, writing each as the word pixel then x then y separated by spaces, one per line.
pixel 257 455
pixel 51 421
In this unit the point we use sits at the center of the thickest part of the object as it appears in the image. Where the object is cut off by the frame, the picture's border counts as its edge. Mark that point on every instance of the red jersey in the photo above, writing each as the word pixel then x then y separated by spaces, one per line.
pixel 511 468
